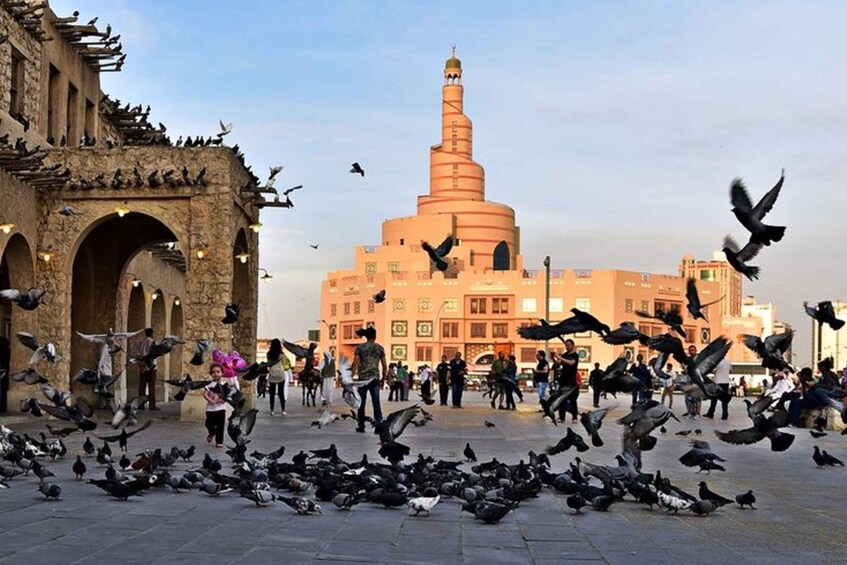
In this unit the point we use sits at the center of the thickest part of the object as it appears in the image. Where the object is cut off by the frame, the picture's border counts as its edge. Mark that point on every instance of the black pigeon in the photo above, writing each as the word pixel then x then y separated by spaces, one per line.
pixel 577 502
pixel 29 300
pixel 706 494
pixel 701 455
pixel 357 169
pixel 746 499
pixel 695 308
pixel 824 313
pixel 122 437
pixel 232 311
pixel 185 385
pixel 49 490
pixel 672 318
pixel 738 257
pixel 751 216
pixel 772 349
pixel 704 507
pixel 491 512
pixel 545 330
pixel 379 297
pixel 593 421
pixel 591 323
pixel 626 333
pixel 489 424
pixel 602 502
pixel 88 446
pixel 78 468
pixel 329 453
pixel 822 458
pixel 201 351
pixel 571 439
pixel 817 435
pixel 469 453
pixel 763 427
pixel 437 254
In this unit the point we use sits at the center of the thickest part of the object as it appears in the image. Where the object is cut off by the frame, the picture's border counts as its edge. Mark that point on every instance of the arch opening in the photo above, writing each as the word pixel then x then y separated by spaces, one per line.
pixel 501 260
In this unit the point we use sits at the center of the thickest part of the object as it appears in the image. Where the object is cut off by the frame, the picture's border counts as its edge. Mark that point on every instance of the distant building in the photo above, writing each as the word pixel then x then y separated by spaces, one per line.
pixel 487 292
pixel 828 343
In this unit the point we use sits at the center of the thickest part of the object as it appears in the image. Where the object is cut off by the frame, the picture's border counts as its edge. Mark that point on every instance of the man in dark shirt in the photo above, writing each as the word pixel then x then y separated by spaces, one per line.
pixel 569 361
pixel 642 373
pixel 542 374
pixel 442 370
pixel 458 370
pixel 594 383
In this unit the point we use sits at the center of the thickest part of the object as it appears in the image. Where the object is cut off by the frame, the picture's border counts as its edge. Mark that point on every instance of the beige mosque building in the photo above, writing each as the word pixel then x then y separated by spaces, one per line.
pixel 487 293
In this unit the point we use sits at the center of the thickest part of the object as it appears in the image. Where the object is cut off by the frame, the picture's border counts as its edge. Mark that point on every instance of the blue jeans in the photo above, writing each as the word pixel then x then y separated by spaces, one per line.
pixel 373 388
pixel 542 389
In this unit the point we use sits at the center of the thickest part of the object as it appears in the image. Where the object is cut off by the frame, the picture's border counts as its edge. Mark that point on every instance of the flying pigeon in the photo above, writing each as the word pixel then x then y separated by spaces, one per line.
pixel 225 129
pixel 738 257
pixel 357 169
pixel 29 300
pixel 232 312
pixel 694 306
pixel 437 255
pixel 201 351
pixel 824 313
pixel 43 351
pixel 751 217
pixel 379 297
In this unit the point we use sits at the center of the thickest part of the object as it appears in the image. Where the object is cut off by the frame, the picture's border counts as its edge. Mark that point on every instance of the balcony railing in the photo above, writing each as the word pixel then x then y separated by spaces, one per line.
pixel 370 248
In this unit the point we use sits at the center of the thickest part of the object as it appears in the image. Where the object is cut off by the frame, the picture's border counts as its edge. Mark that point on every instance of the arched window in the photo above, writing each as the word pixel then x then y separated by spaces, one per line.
pixel 501 257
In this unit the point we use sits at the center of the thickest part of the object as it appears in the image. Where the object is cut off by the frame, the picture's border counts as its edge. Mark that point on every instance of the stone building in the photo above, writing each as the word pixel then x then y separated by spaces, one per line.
pixel 156 235
pixel 487 293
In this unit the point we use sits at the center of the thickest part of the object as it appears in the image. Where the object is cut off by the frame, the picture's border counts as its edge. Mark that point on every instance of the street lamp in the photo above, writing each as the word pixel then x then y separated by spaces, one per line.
pixel 547 299
pixel 437 330
pixel 6 226
pixel 242 255
pixel 267 276
pixel 329 335
pixel 135 280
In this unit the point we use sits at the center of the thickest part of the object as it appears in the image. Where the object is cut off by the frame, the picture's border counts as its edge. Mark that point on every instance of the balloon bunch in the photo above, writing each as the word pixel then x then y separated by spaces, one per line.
pixel 231 362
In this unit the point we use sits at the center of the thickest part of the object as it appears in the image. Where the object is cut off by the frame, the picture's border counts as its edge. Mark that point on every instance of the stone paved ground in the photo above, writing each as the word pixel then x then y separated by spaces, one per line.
pixel 800 514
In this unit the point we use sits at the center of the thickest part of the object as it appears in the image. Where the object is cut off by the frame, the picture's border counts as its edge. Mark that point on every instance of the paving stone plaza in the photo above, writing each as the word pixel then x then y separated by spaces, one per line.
pixel 796 519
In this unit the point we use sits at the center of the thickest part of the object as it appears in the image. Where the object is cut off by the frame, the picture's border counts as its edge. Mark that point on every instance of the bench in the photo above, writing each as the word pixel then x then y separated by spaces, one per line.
pixel 833 418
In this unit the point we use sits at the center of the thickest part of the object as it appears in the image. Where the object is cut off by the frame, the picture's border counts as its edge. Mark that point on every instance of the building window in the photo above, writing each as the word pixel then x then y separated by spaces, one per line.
pixel 451 305
pixel 393 267
pixel 707 275
pixel 402 241
pixel 477 330
pixel 499 305
pixel 399 352
pixel 528 354
pixel 370 268
pixel 628 305
pixel 583 304
pixel 371 306
pixel 423 353
pixel 52 101
pixel 333 309
pixel 423 329
pixel 557 305
pixel 478 305
pixel 16 89
pixel 398 305
pixel 347 331
pixel 450 330
pixel 346 308
pixel 72 113
pixel 499 330
pixel 424 305
pixel 357 306
pixel 90 116
pixel 449 351
pixel 529 305
pixel 333 331
pixel 399 328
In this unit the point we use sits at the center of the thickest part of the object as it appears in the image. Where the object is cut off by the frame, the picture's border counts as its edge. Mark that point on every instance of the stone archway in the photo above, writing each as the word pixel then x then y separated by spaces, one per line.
pixel 136 319
pixel 16 271
pixel 96 276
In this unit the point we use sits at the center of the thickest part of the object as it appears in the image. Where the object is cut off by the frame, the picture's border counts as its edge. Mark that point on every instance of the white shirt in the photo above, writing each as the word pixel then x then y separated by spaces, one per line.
pixel 722 372
pixel 425 374
pixel 669 381
pixel 782 386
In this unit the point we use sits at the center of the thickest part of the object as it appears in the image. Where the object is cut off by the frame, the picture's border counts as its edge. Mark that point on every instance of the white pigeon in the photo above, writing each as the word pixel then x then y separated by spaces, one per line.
pixel 423 504
pixel 225 129
pixel 43 351
pixel 673 503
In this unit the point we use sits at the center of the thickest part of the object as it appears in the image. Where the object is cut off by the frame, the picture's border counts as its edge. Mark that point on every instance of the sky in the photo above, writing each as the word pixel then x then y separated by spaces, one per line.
pixel 613 129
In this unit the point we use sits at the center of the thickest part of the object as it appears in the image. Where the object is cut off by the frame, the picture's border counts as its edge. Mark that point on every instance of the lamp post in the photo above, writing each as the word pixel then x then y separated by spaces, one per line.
pixel 437 331
pixel 329 336
pixel 547 300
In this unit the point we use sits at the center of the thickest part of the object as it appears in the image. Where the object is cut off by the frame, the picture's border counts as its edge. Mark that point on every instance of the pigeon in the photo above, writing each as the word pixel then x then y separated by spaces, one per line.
pixel 185 385
pixel 61 432
pixel 489 424
pixel 746 499
pixel 602 503
pixel 274 171
pixel 701 455
pixel 763 427
pixel 437 254
pixel 32 406
pixel 591 323
pixel 705 362
pixel 751 216
pixel 232 312
pixel 693 305
pixel 824 313
pixel 390 429
pixel 491 512
pixel 671 318
pixel 127 412
pixel 615 378
pixel 43 351
pixel 201 351
pixel 255 370
pixel 314 246
pixel 379 297
pixel 301 505
pixel 226 129
pixel 122 437
pixel 88 446
pixel 738 257
pixel 673 504
pixel 625 334
pixel 772 349
pixel 706 494
pixel 545 330
pixel 29 376
pixel 817 435
pixel 422 504
pixel 469 453
pixel 49 490
pixel 822 458
pixel 571 439
pixel 29 300
pixel 704 507
pixel 577 502
pixel 646 417
pixel 78 468
pixel 593 421
pixel 357 169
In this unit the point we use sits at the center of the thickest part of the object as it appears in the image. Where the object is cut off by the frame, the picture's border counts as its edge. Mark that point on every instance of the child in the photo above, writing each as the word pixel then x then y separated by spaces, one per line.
pixel 215 406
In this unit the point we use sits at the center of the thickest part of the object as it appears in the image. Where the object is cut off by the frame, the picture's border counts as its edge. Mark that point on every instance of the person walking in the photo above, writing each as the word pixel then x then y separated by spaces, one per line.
pixel 498 371
pixel 402 381
pixel 511 374
pixel 541 376
pixel 668 380
pixel 458 370
pixel 328 373
pixel 568 373
pixel 277 377
pixel 594 378
pixel 215 406
pixel 722 380
pixel 741 389
pixel 426 381
pixel 391 381
pixel 442 371
pixel 147 369
pixel 642 373
pixel 369 363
